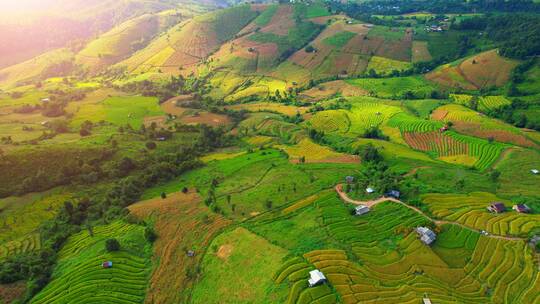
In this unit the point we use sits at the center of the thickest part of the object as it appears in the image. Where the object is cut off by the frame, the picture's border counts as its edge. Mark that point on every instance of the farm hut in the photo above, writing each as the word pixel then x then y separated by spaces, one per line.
pixel 393 193
pixel 426 235
pixel 361 209
pixel 426 300
pixel 370 190
pixel 535 171
pixel 161 139
pixel 316 278
pixel 521 208
pixel 349 179
pixel 496 208
pixel 190 253
pixel 443 129
pixel 107 264
pixel 46 100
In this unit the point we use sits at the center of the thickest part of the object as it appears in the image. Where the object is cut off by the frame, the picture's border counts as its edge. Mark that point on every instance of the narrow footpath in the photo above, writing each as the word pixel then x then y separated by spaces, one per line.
pixel 344 197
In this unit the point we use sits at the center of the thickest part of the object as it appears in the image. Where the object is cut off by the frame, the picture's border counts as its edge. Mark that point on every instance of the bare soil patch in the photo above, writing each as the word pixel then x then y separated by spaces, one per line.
pixel 11 292
pixel 224 252
pixel 182 223
pixel 281 22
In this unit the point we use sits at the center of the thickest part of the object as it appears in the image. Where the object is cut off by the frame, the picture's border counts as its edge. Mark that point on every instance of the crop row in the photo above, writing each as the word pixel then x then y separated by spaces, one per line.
pixel 451 144
pixel 485 103
pixel 25 244
pixel 408 123
pixel 507 268
pixel 470 210
pixel 125 282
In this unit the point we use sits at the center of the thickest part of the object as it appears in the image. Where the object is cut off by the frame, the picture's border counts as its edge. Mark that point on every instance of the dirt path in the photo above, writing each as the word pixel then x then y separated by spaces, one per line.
pixel 371 203
pixel 414 170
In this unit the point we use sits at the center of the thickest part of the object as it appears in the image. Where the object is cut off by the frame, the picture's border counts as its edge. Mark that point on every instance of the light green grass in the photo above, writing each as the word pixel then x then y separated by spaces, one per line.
pixel 239 268
pixel 340 39
pixel 119 111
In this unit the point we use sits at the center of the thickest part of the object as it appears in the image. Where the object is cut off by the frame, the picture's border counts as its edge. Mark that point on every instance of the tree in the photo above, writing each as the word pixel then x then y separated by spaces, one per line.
pixel 149 234
pixel 163 195
pixel 151 145
pixel 369 153
pixel 185 190
pixel 112 245
pixel 494 175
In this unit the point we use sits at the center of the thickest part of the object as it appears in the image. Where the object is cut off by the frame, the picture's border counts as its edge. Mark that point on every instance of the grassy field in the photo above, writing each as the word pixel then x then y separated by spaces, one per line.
pixel 340 39
pixel 79 275
pixel 21 217
pixel 394 87
pixel 244 260
pixel 249 183
pixel 119 111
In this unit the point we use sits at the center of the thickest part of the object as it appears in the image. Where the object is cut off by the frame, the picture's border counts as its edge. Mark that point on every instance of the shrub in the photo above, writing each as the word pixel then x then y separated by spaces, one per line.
pixel 149 234
pixel 151 145
pixel 112 245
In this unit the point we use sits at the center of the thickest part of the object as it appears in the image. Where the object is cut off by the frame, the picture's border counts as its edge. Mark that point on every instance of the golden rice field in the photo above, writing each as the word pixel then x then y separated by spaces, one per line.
pixel 470 210
pixel 388 264
pixel 314 153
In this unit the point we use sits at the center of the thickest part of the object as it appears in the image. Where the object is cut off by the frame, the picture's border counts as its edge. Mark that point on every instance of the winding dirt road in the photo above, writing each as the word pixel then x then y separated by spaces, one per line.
pixel 344 197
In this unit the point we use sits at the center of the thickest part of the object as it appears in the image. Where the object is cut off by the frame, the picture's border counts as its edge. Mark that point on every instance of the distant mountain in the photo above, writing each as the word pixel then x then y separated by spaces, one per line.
pixel 34 27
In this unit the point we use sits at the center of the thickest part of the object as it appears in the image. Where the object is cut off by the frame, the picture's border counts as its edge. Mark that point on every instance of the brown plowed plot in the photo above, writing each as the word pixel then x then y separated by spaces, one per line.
pixel 182 223
pixel 420 51
pixel 281 22
pixel 490 69
pixel 329 89
pixel 397 50
pixel 324 19
pixel 11 292
pixel 199 39
pixel 477 130
pixel 436 141
pixel 341 59
pixel 206 118
pixel 484 70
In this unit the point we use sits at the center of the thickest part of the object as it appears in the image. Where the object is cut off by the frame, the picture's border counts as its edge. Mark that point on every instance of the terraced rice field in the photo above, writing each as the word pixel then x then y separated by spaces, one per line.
pixel 485 103
pixel 453 144
pixel 80 278
pixel 314 153
pixel 469 122
pixel 365 113
pixel 390 265
pixel 409 123
pixel 21 217
pixel 470 210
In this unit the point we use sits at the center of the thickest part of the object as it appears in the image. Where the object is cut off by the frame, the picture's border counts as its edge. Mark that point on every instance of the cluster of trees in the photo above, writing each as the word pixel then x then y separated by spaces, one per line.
pixel 105 204
pixel 366 9
pixel 517 34
pixel 173 87
pixel 515 113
